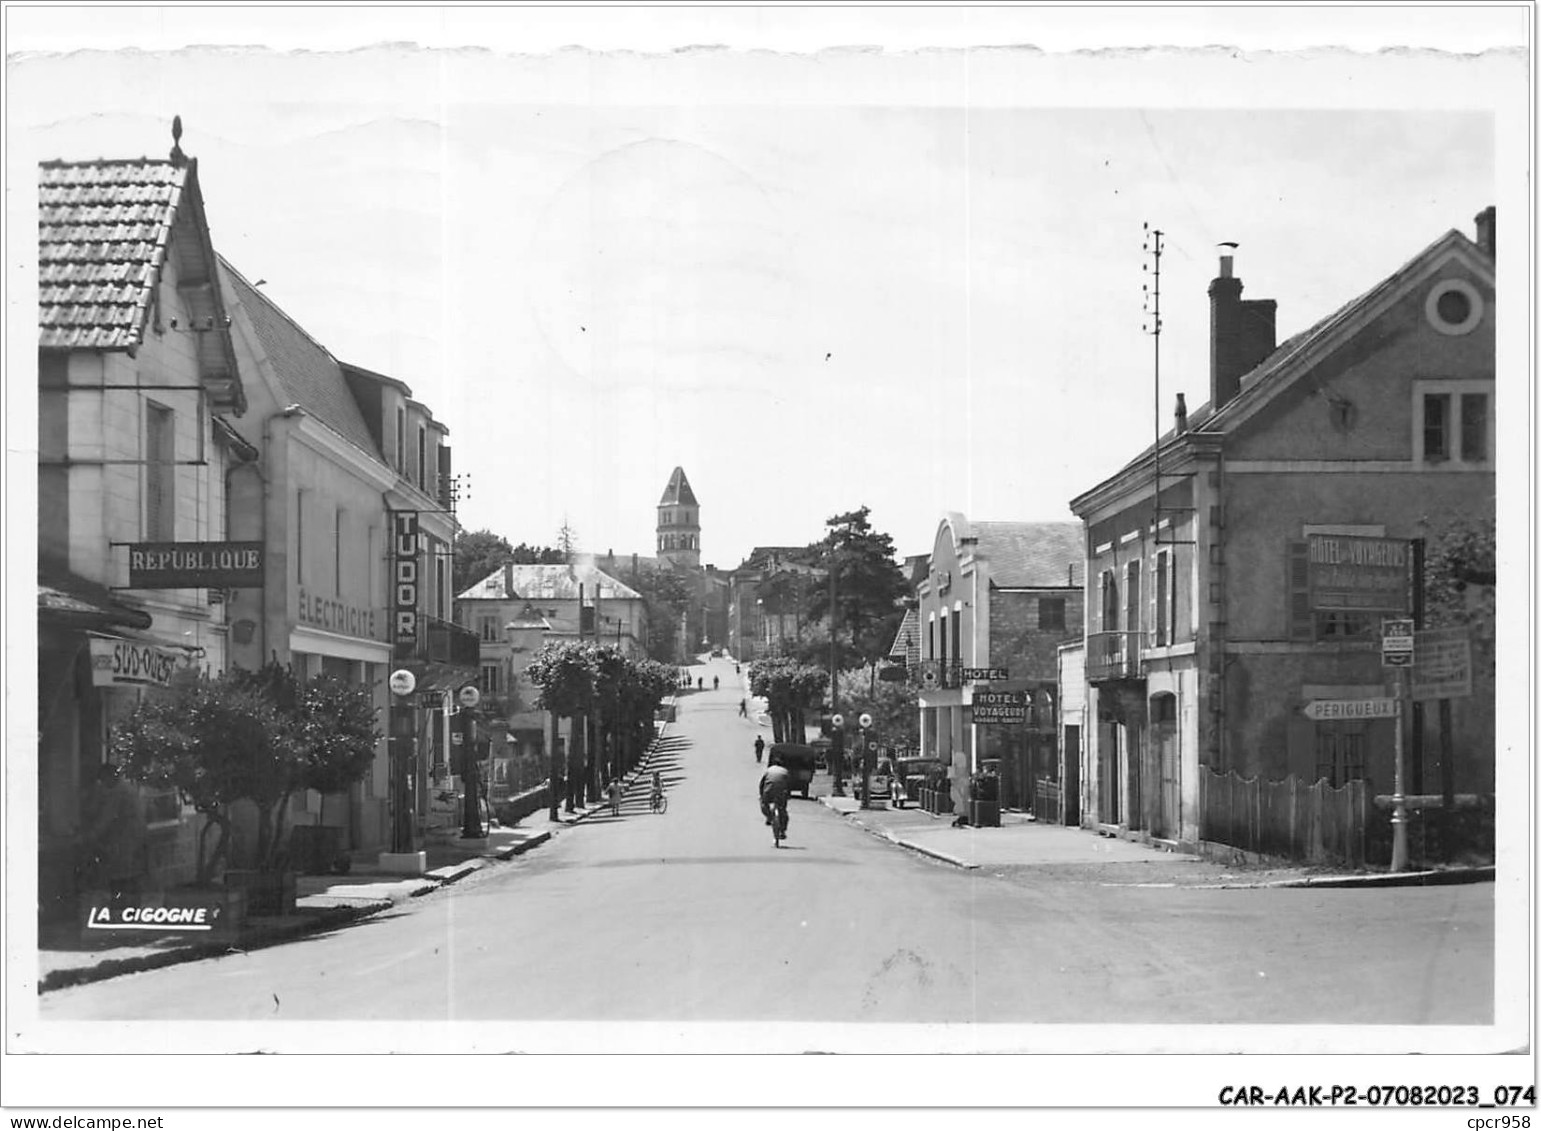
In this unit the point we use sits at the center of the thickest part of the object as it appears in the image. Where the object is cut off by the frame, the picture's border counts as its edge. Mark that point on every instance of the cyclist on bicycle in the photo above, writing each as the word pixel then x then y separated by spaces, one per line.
pixel 775 786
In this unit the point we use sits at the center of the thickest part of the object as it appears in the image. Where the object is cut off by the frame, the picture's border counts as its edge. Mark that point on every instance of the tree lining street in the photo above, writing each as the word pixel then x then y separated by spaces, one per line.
pixel 693 916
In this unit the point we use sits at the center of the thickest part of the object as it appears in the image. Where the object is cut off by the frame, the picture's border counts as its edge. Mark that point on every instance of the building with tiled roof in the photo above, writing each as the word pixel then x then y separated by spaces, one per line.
pixel 138 385
pixel 997 601
pixel 1247 572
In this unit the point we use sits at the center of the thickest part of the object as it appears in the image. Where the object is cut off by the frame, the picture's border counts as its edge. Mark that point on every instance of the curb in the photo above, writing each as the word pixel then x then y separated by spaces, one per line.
pixel 316 919
pixel 893 838
pixel 319 920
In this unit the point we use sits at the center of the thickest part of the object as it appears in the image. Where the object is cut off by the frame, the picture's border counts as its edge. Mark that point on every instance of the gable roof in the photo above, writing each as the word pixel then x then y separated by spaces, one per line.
pixel 305 372
pixel 1299 352
pixel 103 231
pixel 548 583
pixel 678 492
pixel 1037 555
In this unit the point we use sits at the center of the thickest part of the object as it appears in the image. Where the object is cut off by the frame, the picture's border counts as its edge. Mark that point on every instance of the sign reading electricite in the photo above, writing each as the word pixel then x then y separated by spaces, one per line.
pixel 1000 706
pixel 1349 574
pixel 195 565
pixel 405 579
pixel 336 616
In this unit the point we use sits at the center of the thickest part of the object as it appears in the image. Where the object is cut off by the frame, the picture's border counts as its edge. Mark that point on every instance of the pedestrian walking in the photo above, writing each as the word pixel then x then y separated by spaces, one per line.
pixel 714 683
pixel 743 709
pixel 759 747
pixel 700 682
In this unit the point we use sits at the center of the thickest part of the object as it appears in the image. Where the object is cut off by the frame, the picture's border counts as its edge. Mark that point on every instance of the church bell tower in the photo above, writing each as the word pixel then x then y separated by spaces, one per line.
pixel 679 523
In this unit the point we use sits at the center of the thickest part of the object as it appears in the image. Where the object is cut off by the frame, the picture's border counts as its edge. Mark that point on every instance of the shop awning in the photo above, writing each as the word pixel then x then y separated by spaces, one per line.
pixel 73 602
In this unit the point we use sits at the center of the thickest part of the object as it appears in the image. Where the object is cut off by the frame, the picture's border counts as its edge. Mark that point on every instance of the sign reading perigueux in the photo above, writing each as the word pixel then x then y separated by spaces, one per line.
pixel 195 565
pixel 1353 574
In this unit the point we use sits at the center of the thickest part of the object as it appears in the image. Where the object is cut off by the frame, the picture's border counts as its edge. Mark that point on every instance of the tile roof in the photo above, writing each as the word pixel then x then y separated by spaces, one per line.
pixel 548 583
pixel 103 230
pixel 906 645
pixel 1030 554
pixel 678 492
pixel 308 375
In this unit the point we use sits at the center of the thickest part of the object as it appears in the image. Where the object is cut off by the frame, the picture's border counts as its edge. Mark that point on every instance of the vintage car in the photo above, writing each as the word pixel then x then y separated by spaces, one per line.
pixel 909 775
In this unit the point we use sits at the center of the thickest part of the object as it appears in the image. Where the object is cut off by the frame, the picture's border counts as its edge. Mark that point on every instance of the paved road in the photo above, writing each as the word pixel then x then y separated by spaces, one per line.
pixel 694 916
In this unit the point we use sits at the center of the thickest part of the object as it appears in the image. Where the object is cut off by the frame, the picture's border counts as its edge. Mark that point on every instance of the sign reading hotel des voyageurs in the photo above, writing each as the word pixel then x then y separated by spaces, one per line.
pixel 1363 575
pixel 195 565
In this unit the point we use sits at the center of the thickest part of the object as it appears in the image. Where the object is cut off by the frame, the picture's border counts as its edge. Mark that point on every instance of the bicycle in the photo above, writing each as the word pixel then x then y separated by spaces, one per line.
pixel 779 823
pixel 658 803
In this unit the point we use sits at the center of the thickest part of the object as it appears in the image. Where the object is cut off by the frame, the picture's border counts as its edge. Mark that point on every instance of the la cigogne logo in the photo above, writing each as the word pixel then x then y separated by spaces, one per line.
pixel 152 917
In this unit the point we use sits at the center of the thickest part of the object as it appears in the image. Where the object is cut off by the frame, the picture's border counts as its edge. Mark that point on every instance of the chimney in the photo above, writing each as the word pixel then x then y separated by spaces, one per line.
pixel 1487 231
pixel 1180 415
pixel 1241 334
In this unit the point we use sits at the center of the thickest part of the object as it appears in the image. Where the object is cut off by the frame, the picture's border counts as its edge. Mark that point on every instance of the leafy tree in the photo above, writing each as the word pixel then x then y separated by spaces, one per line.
pixel 478 553
pixel 248 736
pixel 205 740
pixel 894 707
pixel 1460 578
pixel 524 554
pixel 665 596
pixel 869 586
pixel 789 689
pixel 564 672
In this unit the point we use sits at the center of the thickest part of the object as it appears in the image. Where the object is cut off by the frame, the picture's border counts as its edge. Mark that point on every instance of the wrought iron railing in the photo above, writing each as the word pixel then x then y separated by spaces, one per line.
pixel 1114 655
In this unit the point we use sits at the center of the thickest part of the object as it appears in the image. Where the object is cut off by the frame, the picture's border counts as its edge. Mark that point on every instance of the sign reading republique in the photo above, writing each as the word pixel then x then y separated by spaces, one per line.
pixel 195 565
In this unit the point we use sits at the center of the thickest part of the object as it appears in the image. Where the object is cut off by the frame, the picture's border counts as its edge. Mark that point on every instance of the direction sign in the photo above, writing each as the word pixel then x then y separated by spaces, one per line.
pixel 1327 710
pixel 470 695
pixel 1396 643
pixel 985 675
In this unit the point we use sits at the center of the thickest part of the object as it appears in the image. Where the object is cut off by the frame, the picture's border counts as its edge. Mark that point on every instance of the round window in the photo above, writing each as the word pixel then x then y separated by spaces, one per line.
pixel 1453 307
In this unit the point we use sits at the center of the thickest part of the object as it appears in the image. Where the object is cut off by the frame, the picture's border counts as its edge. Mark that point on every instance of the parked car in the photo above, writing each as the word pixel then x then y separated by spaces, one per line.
pixel 799 761
pixel 909 775
pixel 821 748
pixel 881 782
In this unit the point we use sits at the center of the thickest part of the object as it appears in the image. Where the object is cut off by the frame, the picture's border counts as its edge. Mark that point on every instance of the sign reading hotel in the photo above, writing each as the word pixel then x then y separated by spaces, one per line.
pixel 116 662
pixel 405 580
pixel 1000 706
pixel 195 565
pixel 1363 575
pixel 985 675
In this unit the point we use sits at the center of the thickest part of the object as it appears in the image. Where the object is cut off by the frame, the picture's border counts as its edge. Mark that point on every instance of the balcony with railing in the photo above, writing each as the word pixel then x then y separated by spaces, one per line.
pixel 1114 655
pixel 938 674
pixel 442 642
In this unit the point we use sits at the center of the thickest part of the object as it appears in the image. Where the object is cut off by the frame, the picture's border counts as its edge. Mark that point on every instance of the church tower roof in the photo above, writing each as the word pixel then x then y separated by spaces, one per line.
pixel 678 492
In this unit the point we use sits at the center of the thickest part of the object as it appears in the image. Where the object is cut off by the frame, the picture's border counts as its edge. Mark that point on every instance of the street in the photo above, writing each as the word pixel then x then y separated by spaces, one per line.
pixel 693 915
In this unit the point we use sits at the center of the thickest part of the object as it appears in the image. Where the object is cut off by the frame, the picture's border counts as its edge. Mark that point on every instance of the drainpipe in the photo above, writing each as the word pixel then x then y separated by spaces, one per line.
pixel 270 591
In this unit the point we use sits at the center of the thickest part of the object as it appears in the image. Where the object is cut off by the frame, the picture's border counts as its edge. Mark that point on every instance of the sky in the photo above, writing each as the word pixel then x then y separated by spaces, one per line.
pixel 832 258
pixel 907 281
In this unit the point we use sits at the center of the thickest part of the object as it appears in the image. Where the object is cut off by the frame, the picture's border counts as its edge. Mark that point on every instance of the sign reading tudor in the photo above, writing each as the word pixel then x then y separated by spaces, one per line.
pixel 405 579
pixel 195 565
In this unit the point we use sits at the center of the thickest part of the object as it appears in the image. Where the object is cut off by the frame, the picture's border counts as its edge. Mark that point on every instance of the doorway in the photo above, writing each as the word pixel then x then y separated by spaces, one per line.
pixel 1166 813
pixel 1072 776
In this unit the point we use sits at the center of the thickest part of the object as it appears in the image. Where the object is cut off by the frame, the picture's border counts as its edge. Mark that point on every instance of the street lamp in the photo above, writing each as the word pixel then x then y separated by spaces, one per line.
pixel 865 722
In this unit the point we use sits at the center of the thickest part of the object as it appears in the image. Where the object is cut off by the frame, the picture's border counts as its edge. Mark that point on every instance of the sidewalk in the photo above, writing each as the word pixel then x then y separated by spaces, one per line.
pixel 1062 852
pixel 322 903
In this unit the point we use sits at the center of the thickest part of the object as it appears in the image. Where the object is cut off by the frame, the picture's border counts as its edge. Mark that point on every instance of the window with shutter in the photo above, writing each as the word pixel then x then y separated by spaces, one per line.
pixel 160 472
pixel 1298 584
pixel 1159 598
